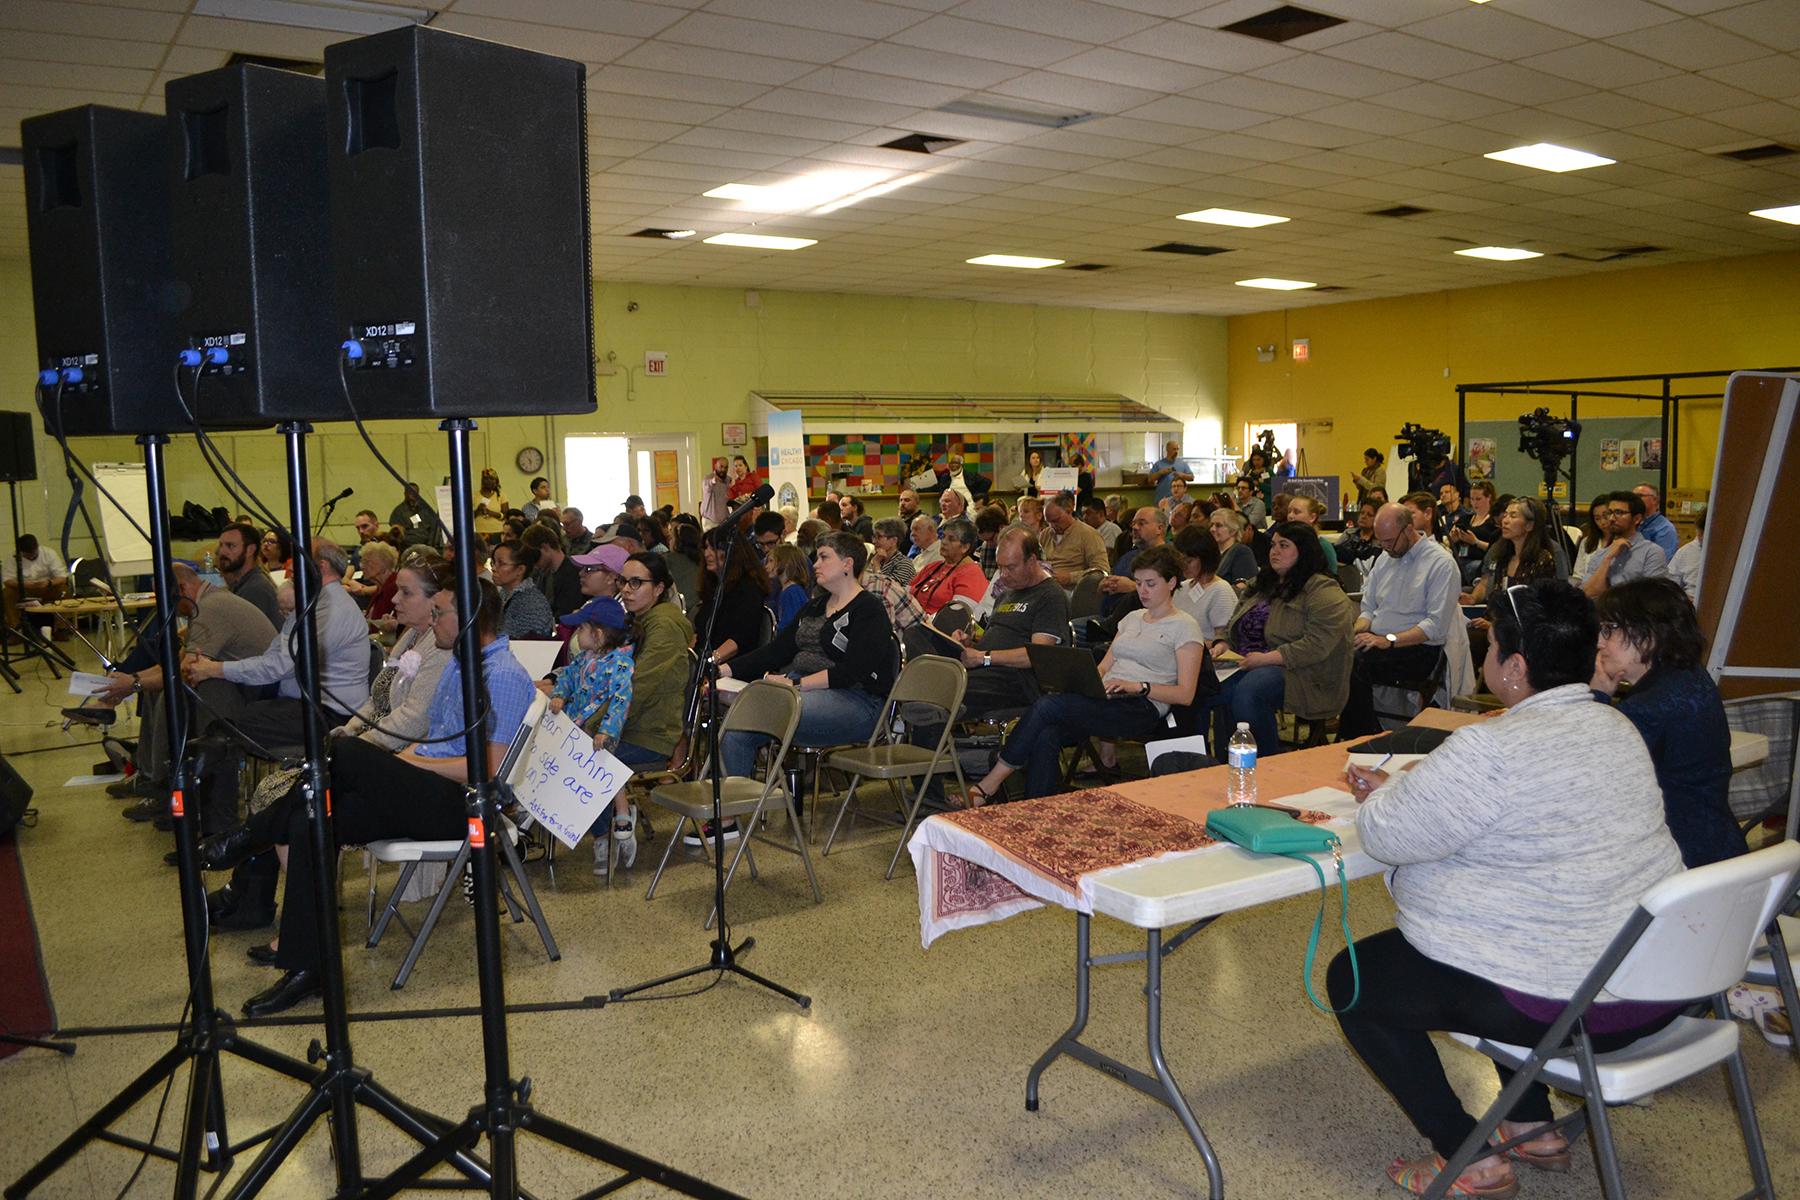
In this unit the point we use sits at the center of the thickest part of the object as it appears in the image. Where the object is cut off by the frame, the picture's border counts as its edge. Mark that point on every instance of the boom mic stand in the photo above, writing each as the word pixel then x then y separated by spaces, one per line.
pixel 339 1085
pixel 724 956
pixel 505 1109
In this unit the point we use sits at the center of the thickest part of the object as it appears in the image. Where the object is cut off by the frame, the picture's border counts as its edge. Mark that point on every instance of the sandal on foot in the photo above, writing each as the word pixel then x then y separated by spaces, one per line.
pixel 1418 1174
pixel 972 797
pixel 1555 1161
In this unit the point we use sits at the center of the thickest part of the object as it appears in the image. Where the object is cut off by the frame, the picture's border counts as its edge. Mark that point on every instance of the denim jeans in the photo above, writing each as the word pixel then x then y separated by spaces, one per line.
pixel 831 717
pixel 1064 720
pixel 1251 696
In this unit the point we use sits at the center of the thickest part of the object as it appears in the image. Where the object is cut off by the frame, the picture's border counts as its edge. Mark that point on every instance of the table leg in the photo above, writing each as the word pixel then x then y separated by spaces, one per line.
pixel 1161 1086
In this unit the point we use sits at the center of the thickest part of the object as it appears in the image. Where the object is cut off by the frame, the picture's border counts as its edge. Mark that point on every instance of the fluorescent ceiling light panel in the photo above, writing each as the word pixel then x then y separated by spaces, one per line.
pixel 341 16
pixel 880 189
pixel 760 241
pixel 1787 215
pixel 1547 156
pixel 1499 253
pixel 1013 260
pixel 1021 112
pixel 1277 285
pixel 800 192
pixel 1231 216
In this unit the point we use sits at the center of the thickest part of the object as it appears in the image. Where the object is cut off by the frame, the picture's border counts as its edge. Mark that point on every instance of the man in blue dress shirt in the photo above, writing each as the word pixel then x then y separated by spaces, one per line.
pixel 1657 527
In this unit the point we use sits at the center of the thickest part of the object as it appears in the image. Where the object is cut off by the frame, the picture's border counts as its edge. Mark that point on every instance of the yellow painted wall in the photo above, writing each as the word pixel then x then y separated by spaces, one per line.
pixel 1379 363
pixel 720 349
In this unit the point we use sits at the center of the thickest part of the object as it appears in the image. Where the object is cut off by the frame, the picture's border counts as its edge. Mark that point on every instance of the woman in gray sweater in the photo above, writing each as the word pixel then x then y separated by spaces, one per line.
pixel 1519 848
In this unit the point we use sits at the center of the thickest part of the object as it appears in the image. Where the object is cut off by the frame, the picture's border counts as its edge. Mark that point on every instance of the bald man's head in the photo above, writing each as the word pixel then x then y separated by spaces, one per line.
pixel 1394 530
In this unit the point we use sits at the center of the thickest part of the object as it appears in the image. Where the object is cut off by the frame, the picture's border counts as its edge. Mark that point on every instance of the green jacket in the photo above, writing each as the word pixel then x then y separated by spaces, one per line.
pixel 659 679
pixel 1312 631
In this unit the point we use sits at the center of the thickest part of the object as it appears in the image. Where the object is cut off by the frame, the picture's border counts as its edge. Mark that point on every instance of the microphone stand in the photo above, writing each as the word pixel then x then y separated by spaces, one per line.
pixel 724 957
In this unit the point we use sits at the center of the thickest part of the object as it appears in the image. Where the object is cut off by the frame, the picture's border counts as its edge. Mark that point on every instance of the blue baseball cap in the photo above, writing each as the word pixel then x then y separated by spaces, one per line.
pixel 601 610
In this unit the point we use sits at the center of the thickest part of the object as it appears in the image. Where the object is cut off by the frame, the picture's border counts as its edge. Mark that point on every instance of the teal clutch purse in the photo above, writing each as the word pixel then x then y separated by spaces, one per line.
pixel 1272 831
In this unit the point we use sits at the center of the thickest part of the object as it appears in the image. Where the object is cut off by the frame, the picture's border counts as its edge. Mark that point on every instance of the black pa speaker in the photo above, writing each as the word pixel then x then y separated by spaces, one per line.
pixel 15 796
pixel 249 230
pixel 459 225
pixel 18 451
pixel 97 218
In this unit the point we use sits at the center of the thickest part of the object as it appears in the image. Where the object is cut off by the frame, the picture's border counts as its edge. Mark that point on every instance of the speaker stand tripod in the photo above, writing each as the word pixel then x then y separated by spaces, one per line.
pixel 205 1143
pixel 505 1110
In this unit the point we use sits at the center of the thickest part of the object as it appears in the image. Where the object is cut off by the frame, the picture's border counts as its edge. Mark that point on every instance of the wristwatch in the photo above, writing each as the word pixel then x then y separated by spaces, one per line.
pixel 987 660
pixel 1146 692
pixel 1392 640
pixel 137 684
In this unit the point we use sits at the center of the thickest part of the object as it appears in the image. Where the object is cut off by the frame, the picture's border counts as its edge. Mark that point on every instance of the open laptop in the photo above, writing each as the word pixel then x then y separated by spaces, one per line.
pixel 1066 669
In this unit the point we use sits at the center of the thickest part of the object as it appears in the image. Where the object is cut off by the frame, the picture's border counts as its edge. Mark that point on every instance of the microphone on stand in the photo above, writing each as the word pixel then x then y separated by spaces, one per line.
pixel 757 499
pixel 331 504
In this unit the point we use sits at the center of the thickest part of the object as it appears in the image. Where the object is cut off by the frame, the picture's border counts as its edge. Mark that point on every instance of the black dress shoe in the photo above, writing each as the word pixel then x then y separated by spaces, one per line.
pixel 91 716
pixel 261 955
pixel 224 851
pixel 302 983
pixel 147 809
pixel 227 908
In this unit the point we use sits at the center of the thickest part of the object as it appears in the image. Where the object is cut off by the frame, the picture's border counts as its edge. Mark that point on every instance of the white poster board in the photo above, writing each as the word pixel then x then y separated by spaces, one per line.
pixel 1058 479
pixel 567 783
pixel 127 550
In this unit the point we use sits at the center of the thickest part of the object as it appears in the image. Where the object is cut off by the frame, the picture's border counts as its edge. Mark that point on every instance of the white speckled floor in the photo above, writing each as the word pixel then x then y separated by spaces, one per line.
pixel 905 1080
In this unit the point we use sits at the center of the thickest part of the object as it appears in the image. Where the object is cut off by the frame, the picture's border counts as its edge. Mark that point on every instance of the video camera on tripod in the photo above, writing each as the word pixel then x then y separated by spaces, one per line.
pixel 1548 439
pixel 1427 449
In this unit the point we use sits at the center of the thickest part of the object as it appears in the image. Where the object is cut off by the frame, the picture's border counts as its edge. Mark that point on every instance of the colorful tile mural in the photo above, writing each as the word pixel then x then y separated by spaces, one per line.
pixel 881 458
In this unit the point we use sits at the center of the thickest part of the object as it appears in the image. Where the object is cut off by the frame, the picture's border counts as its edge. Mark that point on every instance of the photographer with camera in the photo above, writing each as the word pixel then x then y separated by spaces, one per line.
pixel 1431 467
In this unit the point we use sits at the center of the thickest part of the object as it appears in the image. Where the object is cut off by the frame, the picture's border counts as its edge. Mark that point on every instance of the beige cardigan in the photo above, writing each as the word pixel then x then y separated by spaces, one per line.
pixel 1312 631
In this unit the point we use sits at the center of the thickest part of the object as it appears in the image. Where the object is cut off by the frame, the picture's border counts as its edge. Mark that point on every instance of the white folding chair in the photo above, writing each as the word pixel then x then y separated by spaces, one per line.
pixel 409 853
pixel 1689 939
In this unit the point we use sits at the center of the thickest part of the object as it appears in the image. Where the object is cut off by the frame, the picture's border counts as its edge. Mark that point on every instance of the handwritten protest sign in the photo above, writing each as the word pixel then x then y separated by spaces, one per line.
pixel 567 783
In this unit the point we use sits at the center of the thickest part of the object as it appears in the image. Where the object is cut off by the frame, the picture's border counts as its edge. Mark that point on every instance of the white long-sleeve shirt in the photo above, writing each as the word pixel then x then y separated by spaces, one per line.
pixel 1419 588
pixel 343 655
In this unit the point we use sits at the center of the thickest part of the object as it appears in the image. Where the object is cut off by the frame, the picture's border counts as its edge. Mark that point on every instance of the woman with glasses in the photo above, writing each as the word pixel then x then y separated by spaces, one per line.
pixel 1520 555
pixel 1237 561
pixel 1519 852
pixel 1293 630
pixel 1651 643
pixel 661 635
pixel 891 538
pixel 526 613
pixel 276 553
pixel 1154 663
pixel 954 573
pixel 839 652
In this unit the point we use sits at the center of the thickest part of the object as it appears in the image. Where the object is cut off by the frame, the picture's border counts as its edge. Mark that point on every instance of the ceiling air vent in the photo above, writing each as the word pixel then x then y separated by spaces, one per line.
pixel 1759 153
pixel 1283 24
pixel 1186 248
pixel 670 234
pixel 1610 253
pixel 1088 267
pixel 922 143
pixel 1331 287
pixel 1399 210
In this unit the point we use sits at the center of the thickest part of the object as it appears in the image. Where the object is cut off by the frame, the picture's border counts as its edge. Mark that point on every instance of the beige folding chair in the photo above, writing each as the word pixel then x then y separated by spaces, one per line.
pixel 1084 600
pixel 771 709
pixel 927 679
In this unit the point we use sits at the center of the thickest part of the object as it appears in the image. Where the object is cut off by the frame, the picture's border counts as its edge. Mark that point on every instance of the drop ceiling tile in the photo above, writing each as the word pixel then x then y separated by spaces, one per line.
pixel 1246 146
pixel 909 62
pixel 1203 47
pixel 111 21
pixel 1693 45
pixel 721 64
pixel 840 81
pixel 1078 141
pixel 1075 93
pixel 1771 22
pixel 755 143
pixel 253 38
pixel 1197 114
pixel 1608 109
pixel 628 17
pixel 1374 118
pixel 125 80
pixel 1405 54
pixel 1693 133
pixel 1386 13
pixel 611 106
pixel 1769 119
pixel 1690 94
pixel 582 44
pixel 1137 70
pixel 1262 95
pixel 1076 19
pixel 757 37
pixel 1146 172
pixel 955 36
pixel 1594 18
pixel 1483 28
pixel 1301 131
pixel 815 104
pixel 1598 64
pixel 1444 103
pixel 34 100
pixel 1334 76
pixel 856 18
pixel 785 124
pixel 1519 85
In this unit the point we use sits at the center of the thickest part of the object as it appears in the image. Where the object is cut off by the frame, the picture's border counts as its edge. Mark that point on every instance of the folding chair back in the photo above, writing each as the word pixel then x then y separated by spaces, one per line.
pixel 955 616
pixel 1703 925
pixel 1084 601
pixel 767 708
pixel 513 766
pixel 928 679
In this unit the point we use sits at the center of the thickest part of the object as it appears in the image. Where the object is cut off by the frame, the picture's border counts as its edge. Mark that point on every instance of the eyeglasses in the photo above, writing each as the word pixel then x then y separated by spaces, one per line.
pixel 1608 628
pixel 591 570
pixel 630 581
pixel 1514 602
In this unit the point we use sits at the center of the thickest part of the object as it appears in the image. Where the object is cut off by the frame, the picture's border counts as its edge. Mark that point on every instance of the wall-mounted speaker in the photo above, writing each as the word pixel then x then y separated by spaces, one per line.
pixel 459 225
pixel 104 298
pixel 18 448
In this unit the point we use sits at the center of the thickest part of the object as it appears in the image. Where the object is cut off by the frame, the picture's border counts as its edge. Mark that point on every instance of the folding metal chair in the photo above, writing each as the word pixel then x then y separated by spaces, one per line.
pixel 1689 938
pixel 771 709
pixel 928 679
pixel 1084 599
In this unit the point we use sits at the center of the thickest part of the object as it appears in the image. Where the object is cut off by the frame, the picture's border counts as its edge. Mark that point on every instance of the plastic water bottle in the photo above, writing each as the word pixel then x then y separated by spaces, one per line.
pixel 1240 757
pixel 209 562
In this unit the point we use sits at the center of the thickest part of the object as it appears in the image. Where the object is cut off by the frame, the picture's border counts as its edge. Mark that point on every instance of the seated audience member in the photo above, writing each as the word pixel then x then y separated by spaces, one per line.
pixel 906 507
pixel 831 513
pixel 1094 512
pixel 1656 527
pixel 685 555
pixel 1521 554
pixel 396 714
pixel 791 581
pixel 1470 538
pixel 1149 527
pixel 768 531
pixel 276 553
pixel 952 506
pixel 235 559
pixel 1155 661
pixel 1203 595
pixel 594 691
pixel 1684 568
pixel 1407 606
pixel 925 549
pixel 839 653
pixel 790 523
pixel 1177 494
pixel 1292 628
pixel 855 519
pixel 890 534
pixel 417 792
pixel 954 573
pixel 46 577
pixel 1357 543
pixel 660 637
pixel 1308 511
pixel 1031 515
pixel 376 587
pixel 1071 548
pixel 1629 555
pixel 1596 535
pixel 558 576
pixel 599 577
pixel 989 521
pixel 808 535
pixel 540 496
pixel 740 598
pixel 1231 531
pixel 576 535
pixel 1250 503
pixel 1180 515
pixel 1650 641
pixel 1421 509
pixel 1489 814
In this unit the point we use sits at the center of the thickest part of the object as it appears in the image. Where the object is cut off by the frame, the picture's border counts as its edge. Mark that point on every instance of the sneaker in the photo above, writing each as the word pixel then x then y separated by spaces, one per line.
pixel 705 836
pixel 625 839
pixel 602 859
pixel 1776 1029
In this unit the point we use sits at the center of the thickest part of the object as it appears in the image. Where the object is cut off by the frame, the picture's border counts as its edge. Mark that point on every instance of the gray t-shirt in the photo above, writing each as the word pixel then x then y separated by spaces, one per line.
pixel 1143 651
pixel 1041 608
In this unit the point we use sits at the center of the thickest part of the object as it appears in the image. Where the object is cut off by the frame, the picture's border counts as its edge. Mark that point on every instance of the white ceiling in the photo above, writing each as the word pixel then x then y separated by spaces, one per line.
pixel 1396 106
